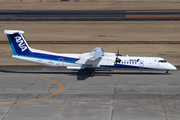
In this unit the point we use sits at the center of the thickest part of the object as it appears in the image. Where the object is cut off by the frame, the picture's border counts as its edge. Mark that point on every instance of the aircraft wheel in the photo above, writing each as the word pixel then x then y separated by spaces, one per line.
pixel 167 72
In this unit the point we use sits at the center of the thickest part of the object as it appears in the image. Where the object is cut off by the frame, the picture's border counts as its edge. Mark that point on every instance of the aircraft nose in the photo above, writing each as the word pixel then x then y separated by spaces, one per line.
pixel 174 68
pixel 171 67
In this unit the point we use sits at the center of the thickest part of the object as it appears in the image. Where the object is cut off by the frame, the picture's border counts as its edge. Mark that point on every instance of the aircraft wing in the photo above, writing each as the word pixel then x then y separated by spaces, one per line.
pixel 97 53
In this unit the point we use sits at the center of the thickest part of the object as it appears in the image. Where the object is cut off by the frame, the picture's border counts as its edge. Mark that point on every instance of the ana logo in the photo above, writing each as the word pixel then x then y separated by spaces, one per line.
pixel 20 43
pixel 131 60
pixel 134 60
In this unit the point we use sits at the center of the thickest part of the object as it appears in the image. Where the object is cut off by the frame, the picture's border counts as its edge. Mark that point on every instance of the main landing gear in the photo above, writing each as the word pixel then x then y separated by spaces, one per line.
pixel 93 72
pixel 167 72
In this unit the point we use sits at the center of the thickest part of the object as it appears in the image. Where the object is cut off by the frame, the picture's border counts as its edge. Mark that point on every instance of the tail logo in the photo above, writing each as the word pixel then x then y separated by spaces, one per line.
pixel 20 43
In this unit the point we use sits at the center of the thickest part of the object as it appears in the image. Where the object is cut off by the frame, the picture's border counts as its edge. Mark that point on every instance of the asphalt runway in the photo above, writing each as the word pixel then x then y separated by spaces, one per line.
pixel 58 94
pixel 93 15
pixel 98 42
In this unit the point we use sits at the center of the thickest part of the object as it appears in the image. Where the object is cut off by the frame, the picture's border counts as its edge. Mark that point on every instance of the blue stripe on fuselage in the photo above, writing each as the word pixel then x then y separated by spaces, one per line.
pixel 123 66
pixel 51 57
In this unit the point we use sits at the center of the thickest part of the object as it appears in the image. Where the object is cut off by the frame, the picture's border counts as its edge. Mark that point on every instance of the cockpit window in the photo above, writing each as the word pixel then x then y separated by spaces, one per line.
pixel 162 61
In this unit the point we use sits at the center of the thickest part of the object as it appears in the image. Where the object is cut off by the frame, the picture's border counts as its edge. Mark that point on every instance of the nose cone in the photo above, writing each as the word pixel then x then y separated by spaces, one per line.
pixel 174 68
pixel 171 67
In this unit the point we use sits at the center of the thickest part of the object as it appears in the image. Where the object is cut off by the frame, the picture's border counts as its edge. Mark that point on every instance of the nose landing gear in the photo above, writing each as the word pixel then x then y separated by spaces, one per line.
pixel 167 72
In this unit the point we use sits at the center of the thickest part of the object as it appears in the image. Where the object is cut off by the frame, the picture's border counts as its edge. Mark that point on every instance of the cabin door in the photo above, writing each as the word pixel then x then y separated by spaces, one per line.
pixel 60 62
pixel 141 64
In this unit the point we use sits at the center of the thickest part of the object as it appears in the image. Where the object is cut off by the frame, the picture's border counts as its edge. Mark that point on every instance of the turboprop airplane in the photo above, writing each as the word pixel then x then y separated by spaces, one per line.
pixel 95 59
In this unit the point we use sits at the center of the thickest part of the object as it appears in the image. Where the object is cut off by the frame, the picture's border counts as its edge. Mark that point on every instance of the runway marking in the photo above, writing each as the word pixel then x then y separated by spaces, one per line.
pixel 38 98
pixel 110 104
pixel 149 16
pixel 9 75
pixel 155 11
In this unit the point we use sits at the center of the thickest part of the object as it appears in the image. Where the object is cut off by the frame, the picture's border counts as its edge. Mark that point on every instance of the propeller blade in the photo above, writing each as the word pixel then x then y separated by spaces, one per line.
pixel 118 52
pixel 117 59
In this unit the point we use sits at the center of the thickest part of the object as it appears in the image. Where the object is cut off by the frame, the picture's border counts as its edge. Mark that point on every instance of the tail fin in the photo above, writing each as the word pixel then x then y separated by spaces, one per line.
pixel 18 43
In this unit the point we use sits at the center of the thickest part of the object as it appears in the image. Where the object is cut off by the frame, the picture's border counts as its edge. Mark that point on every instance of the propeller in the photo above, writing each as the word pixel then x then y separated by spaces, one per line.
pixel 117 59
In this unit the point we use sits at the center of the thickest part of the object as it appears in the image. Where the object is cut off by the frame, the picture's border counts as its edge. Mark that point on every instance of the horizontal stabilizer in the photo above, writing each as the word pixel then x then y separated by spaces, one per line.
pixel 13 31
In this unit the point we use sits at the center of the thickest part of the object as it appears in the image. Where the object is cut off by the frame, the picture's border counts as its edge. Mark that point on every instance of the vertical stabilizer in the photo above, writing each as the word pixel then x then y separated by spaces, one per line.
pixel 18 43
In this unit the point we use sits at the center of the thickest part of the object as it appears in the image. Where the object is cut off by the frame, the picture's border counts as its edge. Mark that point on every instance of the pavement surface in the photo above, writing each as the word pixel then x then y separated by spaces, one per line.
pixel 98 42
pixel 92 5
pixel 90 15
pixel 58 94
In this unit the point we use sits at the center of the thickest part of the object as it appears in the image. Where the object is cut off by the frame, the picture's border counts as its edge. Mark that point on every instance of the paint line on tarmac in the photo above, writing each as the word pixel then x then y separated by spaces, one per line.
pixel 104 104
pixel 38 98
pixel 153 11
pixel 9 75
pixel 153 16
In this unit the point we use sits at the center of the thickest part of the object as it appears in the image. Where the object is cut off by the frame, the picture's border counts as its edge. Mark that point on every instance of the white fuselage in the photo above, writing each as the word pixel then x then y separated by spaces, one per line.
pixel 79 61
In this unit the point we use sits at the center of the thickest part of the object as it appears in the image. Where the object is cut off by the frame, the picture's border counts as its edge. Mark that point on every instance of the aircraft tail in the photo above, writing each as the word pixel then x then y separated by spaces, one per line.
pixel 18 43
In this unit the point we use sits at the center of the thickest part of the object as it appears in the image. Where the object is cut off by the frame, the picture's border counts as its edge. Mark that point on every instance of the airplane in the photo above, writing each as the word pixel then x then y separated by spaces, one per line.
pixel 93 60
